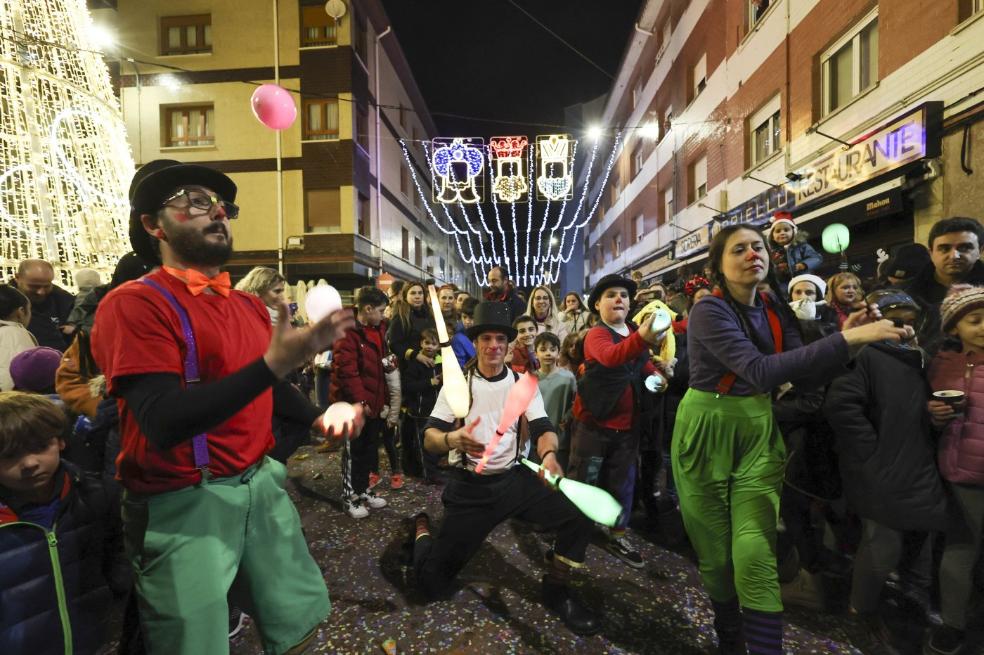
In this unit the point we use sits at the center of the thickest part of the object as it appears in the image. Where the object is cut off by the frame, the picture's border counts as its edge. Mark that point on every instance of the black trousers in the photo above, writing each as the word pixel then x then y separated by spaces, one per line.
pixel 475 504
pixel 357 458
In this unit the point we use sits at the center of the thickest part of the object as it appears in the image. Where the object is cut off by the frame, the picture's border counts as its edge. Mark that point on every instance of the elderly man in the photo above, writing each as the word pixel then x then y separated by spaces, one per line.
pixel 474 504
pixel 50 304
pixel 502 290
pixel 198 371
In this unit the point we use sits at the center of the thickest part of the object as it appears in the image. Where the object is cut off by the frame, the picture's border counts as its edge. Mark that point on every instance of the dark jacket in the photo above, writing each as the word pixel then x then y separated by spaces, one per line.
pixel 419 392
pixel 887 459
pixel 404 340
pixel 48 317
pixel 358 375
pixel 510 296
pixel 929 293
pixel 76 556
pixel 799 252
pixel 83 314
pixel 656 433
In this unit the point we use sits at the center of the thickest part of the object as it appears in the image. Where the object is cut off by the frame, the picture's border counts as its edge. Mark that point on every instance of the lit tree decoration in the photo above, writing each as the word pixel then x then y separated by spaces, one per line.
pixel 64 159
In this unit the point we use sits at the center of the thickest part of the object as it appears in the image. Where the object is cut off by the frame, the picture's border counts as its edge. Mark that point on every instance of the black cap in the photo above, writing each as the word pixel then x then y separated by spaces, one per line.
pixel 888 299
pixel 907 261
pixel 491 316
pixel 154 182
pixel 608 282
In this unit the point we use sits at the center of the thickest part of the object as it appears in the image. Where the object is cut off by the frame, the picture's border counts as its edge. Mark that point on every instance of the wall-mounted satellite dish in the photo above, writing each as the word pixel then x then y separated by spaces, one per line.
pixel 335 8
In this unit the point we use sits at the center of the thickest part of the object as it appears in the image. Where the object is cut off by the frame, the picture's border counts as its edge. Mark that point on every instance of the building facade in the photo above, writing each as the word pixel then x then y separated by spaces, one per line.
pixel 858 112
pixel 186 70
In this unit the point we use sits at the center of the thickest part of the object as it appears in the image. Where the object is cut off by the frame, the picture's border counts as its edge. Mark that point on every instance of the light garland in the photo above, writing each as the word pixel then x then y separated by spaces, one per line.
pixel 506 152
pixel 449 155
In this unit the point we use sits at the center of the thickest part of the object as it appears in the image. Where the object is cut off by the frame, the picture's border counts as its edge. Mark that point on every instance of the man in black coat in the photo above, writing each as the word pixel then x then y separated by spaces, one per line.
pixel 955 251
pixel 501 289
pixel 50 304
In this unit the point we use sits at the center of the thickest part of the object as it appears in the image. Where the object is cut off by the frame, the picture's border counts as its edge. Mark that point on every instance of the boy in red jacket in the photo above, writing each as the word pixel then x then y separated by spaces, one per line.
pixel 359 378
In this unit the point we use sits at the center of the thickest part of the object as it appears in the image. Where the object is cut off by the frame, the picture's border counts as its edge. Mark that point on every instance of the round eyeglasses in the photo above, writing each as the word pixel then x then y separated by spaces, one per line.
pixel 204 202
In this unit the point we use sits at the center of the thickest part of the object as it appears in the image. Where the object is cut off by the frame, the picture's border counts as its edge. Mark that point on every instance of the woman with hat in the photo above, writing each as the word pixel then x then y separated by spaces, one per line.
pixel 604 438
pixel 727 451
pixel 475 503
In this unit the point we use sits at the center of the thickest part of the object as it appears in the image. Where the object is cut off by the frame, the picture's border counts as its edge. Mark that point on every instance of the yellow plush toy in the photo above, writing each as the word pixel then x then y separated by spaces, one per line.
pixel 667 349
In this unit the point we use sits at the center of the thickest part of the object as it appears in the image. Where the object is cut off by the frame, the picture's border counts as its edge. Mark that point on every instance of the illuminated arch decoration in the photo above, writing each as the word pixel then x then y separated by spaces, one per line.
pixel 555 233
pixel 65 164
pixel 510 183
pixel 555 163
pixel 458 167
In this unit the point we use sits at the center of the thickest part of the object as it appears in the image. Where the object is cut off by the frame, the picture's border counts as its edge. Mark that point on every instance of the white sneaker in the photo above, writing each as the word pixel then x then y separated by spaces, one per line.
pixel 372 500
pixel 356 509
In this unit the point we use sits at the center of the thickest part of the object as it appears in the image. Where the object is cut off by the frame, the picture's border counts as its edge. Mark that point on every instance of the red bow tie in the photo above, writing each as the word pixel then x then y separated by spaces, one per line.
pixel 197 281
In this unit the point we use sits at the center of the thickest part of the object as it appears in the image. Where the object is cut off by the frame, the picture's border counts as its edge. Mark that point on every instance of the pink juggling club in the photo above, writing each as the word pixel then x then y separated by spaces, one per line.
pixel 519 398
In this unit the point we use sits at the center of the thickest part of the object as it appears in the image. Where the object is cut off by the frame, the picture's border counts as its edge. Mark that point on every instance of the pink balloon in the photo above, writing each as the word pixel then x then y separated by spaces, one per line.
pixel 274 107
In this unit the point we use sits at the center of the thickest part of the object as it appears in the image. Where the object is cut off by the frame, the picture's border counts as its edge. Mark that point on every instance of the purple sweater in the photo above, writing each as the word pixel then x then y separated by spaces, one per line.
pixel 717 345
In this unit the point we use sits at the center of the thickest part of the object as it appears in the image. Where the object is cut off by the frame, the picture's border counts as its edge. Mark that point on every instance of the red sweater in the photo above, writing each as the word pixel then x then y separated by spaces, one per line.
pixel 599 347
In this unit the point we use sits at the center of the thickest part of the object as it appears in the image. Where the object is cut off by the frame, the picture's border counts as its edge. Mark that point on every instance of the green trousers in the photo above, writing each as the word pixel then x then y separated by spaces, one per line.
pixel 238 536
pixel 728 458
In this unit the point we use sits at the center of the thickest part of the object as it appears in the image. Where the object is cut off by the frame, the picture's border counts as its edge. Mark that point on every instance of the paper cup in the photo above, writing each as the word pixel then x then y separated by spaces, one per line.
pixel 952 397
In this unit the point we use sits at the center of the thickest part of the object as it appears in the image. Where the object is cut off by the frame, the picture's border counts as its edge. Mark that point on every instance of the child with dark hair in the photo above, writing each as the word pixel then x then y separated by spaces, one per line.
pixel 522 357
pixel 462 346
pixel 15 314
pixel 360 378
pixel 421 384
pixel 558 387
pixel 47 503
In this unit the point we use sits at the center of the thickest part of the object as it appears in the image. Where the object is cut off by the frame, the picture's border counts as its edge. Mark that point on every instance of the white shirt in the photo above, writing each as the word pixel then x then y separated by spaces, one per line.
pixel 14 339
pixel 488 398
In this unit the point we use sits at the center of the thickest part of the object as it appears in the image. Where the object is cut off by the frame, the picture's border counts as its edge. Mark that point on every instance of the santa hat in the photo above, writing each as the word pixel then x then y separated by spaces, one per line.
pixel 782 217
pixel 807 277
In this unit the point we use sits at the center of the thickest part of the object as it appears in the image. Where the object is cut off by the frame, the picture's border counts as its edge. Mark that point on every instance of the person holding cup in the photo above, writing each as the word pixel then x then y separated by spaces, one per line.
pixel 957 409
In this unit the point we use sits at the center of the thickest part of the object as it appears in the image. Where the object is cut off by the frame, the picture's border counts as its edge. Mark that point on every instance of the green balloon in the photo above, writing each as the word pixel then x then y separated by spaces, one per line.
pixel 597 504
pixel 835 238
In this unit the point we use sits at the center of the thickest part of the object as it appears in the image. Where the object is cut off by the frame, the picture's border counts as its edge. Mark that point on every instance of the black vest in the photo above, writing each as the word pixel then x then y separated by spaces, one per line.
pixel 601 386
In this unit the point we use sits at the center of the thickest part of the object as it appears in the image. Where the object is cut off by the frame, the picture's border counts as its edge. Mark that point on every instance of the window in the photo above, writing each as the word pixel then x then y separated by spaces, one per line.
pixel 324 210
pixel 756 9
pixel 364 216
pixel 359 36
pixel 362 126
pixel 317 27
pixel 616 189
pixel 664 39
pixel 970 8
pixel 766 132
pixel 698 180
pixel 404 180
pixel 418 252
pixel 639 228
pixel 637 158
pixel 189 126
pixel 616 245
pixel 321 119
pixel 186 35
pixel 405 253
pixel 637 91
pixel 403 116
pixel 698 75
pixel 667 121
pixel 851 65
pixel 666 202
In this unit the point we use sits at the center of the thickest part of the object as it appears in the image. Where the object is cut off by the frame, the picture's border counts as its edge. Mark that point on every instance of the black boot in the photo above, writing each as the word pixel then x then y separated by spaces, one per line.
pixel 578 618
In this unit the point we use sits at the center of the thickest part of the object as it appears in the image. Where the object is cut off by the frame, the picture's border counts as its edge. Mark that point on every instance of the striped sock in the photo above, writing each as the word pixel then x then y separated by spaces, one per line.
pixel 763 632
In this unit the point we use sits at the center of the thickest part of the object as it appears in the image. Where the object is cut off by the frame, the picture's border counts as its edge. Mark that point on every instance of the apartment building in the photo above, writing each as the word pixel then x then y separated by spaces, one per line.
pixel 850 111
pixel 348 211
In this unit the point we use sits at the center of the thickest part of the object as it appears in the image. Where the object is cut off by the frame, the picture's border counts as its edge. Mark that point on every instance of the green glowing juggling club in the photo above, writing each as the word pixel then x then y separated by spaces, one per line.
pixel 597 504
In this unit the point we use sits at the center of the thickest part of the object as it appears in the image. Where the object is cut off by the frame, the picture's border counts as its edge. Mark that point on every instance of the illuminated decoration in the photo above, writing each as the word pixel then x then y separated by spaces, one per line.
pixel 458 167
pixel 510 183
pixel 475 240
pixel 65 164
pixel 555 161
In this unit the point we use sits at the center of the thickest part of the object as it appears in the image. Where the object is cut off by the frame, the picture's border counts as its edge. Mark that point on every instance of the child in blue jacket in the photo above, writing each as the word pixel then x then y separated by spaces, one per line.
pixel 789 251
pixel 56 540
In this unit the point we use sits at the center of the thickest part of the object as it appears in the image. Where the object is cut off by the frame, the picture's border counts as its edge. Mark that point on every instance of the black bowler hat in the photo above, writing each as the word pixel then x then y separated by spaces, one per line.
pixel 608 282
pixel 154 182
pixel 491 316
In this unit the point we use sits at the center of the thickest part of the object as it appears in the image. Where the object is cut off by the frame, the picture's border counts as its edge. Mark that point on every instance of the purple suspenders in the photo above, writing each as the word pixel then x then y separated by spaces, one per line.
pixel 199 442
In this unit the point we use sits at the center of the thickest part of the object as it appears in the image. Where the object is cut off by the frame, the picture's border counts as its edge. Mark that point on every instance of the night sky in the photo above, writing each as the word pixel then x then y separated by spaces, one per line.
pixel 485 58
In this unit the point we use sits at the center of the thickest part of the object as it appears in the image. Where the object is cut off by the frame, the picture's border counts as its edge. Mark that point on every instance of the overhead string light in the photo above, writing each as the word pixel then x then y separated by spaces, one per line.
pixel 498 220
pixel 560 216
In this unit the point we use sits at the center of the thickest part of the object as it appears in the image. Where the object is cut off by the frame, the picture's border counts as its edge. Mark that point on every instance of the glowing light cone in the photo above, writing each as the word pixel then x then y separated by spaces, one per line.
pixel 455 386
pixel 519 398
pixel 597 504
pixel 321 301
